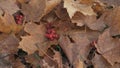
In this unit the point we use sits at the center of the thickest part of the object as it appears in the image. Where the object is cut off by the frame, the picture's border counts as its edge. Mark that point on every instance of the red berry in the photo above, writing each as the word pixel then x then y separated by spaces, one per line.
pixel 18 22
pixel 21 16
pixel 51 33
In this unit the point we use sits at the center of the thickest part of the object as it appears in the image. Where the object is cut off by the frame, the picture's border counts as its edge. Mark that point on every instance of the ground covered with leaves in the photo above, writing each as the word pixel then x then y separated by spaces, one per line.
pixel 59 33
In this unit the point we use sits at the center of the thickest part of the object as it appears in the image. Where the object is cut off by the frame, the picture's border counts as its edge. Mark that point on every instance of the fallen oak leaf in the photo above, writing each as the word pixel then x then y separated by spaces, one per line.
pixel 37 40
pixel 36 37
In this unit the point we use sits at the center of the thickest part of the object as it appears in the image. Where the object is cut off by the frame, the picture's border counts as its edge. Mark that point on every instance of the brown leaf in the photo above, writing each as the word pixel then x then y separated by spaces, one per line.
pixel 86 1
pixel 61 12
pixel 99 62
pixel 5 64
pixel 1 12
pixel 95 24
pixel 9 6
pixel 3 36
pixel 9 44
pixel 18 64
pixel 79 64
pixel 109 47
pixel 76 46
pixel 22 1
pixel 111 2
pixel 28 47
pixel 117 65
pixel 37 39
pixel 46 65
pixel 73 51
pixel 34 29
pixel 113 20
pixel 50 4
pixel 91 21
pixel 74 6
pixel 58 58
pixel 7 24
pixel 78 18
pixel 34 60
pixel 36 9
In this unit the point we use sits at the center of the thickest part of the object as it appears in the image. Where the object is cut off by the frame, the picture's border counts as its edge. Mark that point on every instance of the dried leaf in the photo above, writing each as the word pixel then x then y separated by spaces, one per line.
pixel 7 24
pixel 109 47
pixel 28 47
pixel 73 7
pixel 111 2
pixel 113 20
pixel 36 9
pixel 34 59
pixel 37 40
pixel 46 65
pixel 78 18
pixel 9 44
pixel 3 36
pixel 95 24
pixel 99 62
pixel 58 58
pixel 86 1
pixel 23 1
pixel 61 12
pixel 8 6
pixel 18 64
pixel 79 64
pixel 5 64
pixel 50 4
pixel 76 46
pixel 1 12
pixel 73 50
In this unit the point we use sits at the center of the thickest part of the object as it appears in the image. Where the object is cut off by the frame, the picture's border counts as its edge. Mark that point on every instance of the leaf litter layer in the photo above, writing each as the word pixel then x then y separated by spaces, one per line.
pixel 59 34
